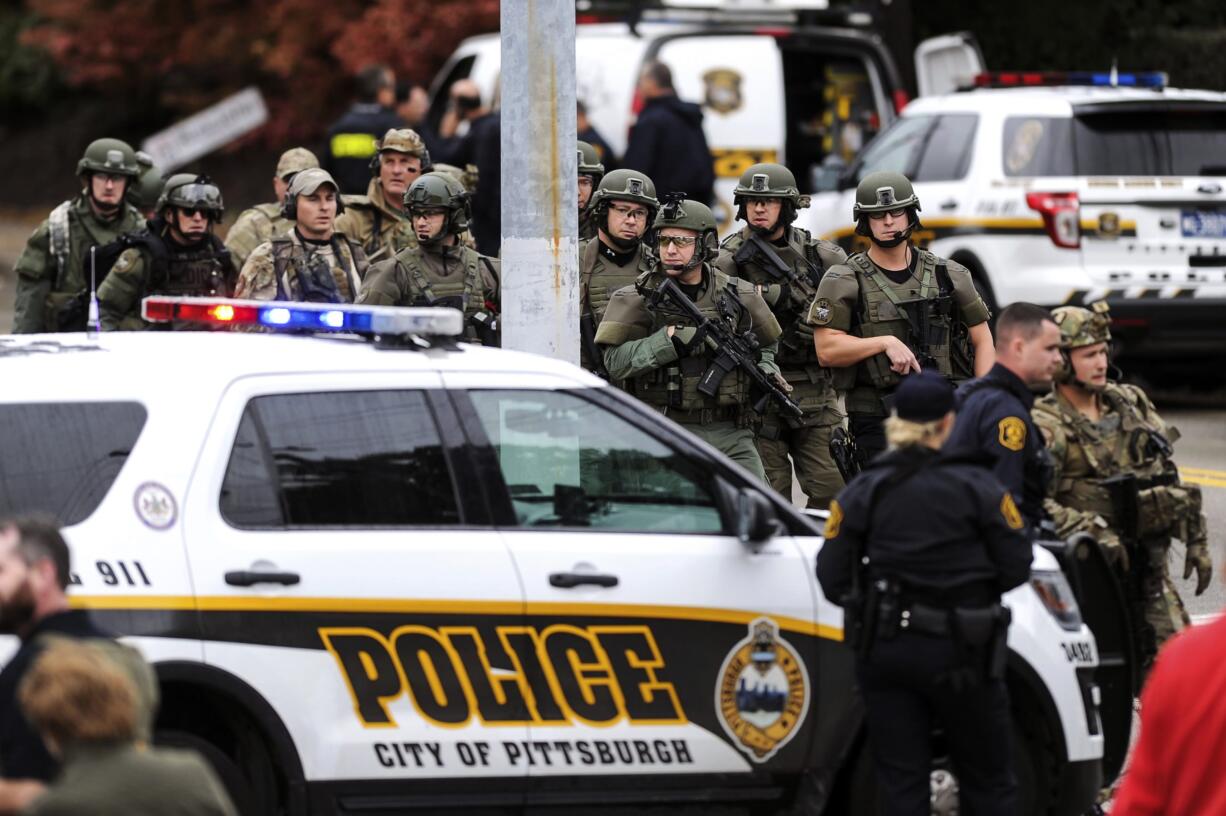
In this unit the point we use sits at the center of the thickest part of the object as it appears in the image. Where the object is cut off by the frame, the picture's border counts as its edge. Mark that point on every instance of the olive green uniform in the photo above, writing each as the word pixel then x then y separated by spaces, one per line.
pixel 1086 452
pixel 204 270
pixel 602 271
pixel 437 276
pixel 50 273
pixel 638 349
pixel 805 440
pixel 105 779
pixel 380 228
pixel 278 268
pixel 856 297
pixel 255 226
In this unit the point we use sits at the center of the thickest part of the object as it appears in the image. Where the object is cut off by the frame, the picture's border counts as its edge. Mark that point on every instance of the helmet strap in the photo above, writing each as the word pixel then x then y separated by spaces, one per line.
pixel 898 238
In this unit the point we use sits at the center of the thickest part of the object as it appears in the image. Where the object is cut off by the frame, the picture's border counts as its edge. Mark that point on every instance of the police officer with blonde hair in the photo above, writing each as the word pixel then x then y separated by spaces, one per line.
pixel 919 549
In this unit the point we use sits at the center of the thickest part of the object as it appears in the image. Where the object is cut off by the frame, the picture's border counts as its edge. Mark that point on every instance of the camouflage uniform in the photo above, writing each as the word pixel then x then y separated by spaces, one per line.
pixel 1128 438
pixel 52 271
pixel 637 348
pixel 784 442
pixel 263 222
pixel 157 265
pixel 438 273
pixel 374 222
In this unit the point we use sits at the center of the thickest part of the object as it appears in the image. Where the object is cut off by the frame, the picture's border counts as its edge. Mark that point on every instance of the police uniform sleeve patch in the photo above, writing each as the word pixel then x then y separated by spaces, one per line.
pixel 834 520
pixel 1012 433
pixel 1008 509
pixel 822 312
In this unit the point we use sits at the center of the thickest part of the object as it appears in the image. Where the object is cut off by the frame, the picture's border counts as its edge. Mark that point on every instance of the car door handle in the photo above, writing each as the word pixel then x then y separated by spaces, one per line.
pixel 570 580
pixel 246 578
pixel 949 204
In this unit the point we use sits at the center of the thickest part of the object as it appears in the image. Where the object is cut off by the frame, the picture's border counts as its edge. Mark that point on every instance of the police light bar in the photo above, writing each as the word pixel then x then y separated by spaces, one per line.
pixel 291 316
pixel 1047 79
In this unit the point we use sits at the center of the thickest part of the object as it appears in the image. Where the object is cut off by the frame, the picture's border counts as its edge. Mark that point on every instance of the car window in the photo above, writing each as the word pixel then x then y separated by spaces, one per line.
pixel 896 148
pixel 1037 146
pixel 947 149
pixel 62 458
pixel 1163 141
pixel 346 459
pixel 568 462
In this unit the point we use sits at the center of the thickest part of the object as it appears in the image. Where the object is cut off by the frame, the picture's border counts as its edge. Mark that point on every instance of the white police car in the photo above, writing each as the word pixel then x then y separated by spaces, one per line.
pixel 1066 189
pixel 387 573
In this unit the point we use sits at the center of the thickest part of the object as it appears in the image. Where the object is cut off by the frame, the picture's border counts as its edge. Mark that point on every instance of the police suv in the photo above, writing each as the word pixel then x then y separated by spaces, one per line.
pixel 1067 189
pixel 379 571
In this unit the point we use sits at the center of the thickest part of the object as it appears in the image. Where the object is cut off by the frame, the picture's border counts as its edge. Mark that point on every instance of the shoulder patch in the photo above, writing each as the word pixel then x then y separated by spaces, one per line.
pixel 822 312
pixel 1012 432
pixel 835 520
pixel 1008 510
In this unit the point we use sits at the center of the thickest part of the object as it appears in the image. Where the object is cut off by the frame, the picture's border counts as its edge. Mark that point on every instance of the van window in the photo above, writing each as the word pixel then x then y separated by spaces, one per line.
pixel 347 459
pixel 1161 141
pixel 897 148
pixel 1037 146
pixel 568 462
pixel 948 149
pixel 62 458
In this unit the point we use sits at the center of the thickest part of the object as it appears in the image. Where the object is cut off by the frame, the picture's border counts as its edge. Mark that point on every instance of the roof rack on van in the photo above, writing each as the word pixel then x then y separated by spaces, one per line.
pixel 794 12
pixel 386 325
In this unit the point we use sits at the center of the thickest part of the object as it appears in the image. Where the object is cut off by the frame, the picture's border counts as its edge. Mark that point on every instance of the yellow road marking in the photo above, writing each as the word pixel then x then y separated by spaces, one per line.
pixel 1203 476
pixel 249 603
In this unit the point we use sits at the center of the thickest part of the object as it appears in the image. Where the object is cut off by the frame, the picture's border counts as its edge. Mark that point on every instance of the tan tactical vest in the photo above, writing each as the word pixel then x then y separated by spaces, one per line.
pixel 315 279
pixel 599 277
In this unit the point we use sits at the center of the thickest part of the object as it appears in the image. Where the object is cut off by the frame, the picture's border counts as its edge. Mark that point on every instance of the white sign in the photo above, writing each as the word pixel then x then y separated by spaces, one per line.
pixel 204 132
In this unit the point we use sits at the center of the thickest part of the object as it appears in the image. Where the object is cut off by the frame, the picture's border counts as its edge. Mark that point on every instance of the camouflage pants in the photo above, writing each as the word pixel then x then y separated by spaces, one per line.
pixel 1164 613
pixel 809 451
pixel 735 443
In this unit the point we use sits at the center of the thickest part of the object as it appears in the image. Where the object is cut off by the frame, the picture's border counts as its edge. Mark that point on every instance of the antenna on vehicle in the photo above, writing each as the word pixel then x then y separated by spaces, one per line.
pixel 93 323
pixel 1115 72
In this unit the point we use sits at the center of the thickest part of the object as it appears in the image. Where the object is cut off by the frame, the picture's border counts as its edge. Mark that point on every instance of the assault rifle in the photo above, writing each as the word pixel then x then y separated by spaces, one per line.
pixel 756 247
pixel 732 351
pixel 845 455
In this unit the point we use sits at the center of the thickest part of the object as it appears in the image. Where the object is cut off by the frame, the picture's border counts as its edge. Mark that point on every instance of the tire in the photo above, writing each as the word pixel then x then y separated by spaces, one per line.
pixel 227 769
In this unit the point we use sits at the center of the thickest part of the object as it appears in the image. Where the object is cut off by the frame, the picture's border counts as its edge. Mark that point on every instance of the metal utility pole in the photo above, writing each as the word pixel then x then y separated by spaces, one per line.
pixel 540 226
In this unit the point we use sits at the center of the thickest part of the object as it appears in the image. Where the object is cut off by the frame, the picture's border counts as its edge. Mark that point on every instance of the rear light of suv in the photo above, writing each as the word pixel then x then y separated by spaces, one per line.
pixel 1061 217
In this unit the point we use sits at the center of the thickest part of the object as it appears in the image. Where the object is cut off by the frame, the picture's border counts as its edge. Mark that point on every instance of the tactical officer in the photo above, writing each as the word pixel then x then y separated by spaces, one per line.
pixel 1106 437
pixel 591 171
pixel 789 263
pixel 893 310
pixel 177 254
pixel 622 208
pixel 919 548
pixel 314 262
pixel 440 271
pixel 378 220
pixel 53 275
pixel 994 410
pixel 144 193
pixel 263 222
pixel 659 349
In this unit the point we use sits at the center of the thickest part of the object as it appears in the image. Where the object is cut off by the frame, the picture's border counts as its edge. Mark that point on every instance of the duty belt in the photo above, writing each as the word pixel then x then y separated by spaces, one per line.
pixel 703 416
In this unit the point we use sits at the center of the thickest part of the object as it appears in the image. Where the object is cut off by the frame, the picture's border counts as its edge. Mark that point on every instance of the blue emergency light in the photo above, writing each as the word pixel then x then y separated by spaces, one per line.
pixel 296 317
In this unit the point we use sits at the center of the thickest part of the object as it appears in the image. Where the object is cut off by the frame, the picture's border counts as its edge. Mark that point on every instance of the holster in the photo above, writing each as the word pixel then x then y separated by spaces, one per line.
pixel 985 630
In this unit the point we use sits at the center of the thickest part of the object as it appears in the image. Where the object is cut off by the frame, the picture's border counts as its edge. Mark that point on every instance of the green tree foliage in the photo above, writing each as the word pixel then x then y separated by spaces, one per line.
pixel 175 58
pixel 28 77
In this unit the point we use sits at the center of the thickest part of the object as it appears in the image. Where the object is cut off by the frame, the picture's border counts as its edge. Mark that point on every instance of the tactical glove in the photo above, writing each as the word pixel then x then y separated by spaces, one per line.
pixel 683 340
pixel 1198 559
pixel 1113 549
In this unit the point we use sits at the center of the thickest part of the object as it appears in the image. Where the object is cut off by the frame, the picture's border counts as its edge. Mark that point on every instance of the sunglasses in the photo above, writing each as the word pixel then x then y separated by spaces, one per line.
pixel 877 216
pixel 192 212
pixel 681 241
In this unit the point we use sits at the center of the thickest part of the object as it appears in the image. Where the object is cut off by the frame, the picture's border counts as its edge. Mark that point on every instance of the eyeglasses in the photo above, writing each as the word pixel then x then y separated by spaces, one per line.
pixel 426 213
pixel 680 241
pixel 114 178
pixel 877 216
pixel 630 213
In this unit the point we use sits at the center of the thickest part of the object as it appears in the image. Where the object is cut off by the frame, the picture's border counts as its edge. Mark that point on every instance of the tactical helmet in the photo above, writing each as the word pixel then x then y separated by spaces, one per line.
pixel 589 162
pixel 144 194
pixel 402 140
pixel 306 182
pixel 295 160
pixel 438 191
pixel 189 191
pixel 626 185
pixel 883 191
pixel 769 180
pixel 685 213
pixel 1079 328
pixel 109 156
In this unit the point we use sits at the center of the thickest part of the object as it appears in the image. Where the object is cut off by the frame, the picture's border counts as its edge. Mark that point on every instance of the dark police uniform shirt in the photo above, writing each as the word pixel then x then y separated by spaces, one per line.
pixel 994 420
pixel 949 531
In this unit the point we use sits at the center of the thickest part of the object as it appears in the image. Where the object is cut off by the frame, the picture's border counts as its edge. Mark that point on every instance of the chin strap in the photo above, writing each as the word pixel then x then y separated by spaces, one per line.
pixel 898 238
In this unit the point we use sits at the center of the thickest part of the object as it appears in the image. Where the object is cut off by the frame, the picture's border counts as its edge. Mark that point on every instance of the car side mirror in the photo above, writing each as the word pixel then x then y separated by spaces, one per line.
pixel 827 176
pixel 755 519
